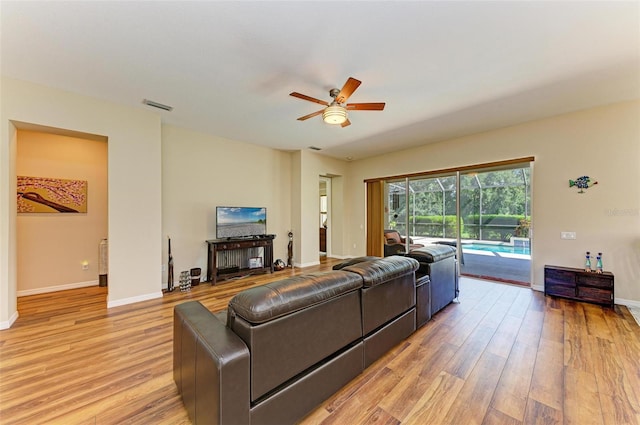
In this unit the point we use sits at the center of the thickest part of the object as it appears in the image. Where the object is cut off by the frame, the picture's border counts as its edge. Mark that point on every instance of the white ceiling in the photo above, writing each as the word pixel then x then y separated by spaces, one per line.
pixel 445 69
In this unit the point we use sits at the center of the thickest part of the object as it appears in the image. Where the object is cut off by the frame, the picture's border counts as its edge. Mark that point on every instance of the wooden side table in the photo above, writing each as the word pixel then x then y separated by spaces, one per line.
pixel 579 285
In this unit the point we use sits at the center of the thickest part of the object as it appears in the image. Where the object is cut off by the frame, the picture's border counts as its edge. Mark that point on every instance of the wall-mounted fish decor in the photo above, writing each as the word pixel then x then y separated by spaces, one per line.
pixel 583 182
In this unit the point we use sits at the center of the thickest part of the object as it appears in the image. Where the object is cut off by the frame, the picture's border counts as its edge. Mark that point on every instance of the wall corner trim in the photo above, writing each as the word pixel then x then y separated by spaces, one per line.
pixel 7 324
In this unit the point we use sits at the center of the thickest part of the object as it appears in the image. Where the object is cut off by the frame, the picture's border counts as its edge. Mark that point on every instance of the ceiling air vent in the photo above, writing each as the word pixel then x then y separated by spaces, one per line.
pixel 314 148
pixel 157 105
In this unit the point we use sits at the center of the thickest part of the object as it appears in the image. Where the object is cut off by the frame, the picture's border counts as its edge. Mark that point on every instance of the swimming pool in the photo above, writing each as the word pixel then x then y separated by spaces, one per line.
pixel 497 248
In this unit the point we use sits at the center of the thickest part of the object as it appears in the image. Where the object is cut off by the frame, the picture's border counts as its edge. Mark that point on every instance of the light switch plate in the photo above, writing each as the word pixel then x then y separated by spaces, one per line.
pixel 567 235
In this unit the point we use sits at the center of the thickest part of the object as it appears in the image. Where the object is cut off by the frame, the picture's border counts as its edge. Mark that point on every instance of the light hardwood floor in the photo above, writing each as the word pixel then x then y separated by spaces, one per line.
pixel 503 355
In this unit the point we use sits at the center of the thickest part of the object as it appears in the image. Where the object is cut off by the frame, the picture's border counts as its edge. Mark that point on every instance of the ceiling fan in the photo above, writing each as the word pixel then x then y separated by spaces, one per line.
pixel 336 111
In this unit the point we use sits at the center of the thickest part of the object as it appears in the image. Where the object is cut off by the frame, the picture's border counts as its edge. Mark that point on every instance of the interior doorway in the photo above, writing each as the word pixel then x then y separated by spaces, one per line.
pixel 325 216
pixel 60 171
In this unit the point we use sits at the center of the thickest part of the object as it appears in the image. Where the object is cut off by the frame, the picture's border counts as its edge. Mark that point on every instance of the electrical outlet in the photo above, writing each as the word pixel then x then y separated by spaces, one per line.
pixel 163 267
pixel 567 235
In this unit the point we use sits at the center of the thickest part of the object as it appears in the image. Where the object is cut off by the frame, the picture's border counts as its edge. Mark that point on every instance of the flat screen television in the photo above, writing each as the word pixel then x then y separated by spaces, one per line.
pixel 240 222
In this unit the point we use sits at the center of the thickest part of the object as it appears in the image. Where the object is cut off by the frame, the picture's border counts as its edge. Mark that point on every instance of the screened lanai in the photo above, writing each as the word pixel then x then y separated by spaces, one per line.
pixel 493 218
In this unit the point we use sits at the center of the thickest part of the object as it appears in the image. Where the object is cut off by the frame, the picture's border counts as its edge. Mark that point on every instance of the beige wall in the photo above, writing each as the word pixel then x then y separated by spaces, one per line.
pixel 51 247
pixel 308 167
pixel 166 181
pixel 134 185
pixel 200 172
pixel 296 204
pixel 8 289
pixel 603 143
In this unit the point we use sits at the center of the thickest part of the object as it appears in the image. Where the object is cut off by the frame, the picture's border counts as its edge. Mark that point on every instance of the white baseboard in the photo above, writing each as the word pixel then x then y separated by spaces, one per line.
pixel 7 324
pixel 628 303
pixel 312 263
pixel 136 299
pixel 56 288
pixel 341 257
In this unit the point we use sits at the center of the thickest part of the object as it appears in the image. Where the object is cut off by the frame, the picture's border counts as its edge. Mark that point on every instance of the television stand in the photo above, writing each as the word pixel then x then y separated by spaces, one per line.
pixel 235 257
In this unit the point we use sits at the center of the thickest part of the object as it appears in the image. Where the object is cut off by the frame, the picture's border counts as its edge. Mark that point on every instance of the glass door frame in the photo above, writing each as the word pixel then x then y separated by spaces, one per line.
pixel 527 162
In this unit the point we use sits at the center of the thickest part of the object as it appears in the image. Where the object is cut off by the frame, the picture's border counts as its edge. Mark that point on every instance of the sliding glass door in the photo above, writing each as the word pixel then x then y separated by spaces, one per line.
pixel 432 209
pixel 424 209
pixel 495 216
pixel 485 213
pixel 395 216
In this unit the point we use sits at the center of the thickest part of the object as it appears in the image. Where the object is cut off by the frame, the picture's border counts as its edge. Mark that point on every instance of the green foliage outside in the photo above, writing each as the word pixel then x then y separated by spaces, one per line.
pixel 432 226
pixel 522 231
pixel 503 196
pixel 495 227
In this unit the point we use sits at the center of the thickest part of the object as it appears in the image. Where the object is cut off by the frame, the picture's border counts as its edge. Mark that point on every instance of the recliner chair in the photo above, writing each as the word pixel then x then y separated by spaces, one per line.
pixel 394 243
pixel 439 263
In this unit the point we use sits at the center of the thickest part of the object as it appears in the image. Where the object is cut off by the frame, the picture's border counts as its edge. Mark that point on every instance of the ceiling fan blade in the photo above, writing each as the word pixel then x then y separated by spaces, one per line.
pixel 311 115
pixel 347 90
pixel 346 123
pixel 309 98
pixel 365 106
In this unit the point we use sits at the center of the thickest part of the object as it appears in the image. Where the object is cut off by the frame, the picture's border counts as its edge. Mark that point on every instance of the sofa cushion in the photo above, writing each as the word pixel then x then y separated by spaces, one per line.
pixel 432 253
pixel 276 299
pixel 352 261
pixel 382 270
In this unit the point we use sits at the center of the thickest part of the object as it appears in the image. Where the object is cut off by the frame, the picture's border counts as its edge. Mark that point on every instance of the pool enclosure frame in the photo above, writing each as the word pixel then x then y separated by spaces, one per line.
pixel 399 188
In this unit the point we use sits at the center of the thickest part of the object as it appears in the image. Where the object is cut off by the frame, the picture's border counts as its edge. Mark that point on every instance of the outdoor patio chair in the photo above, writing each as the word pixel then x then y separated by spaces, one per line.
pixel 395 244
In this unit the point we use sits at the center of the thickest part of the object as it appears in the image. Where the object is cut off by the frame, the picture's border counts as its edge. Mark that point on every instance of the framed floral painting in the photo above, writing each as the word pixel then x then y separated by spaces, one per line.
pixel 50 195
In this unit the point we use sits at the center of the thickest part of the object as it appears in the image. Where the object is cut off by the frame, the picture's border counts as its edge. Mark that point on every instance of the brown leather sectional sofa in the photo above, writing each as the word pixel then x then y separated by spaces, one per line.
pixel 285 347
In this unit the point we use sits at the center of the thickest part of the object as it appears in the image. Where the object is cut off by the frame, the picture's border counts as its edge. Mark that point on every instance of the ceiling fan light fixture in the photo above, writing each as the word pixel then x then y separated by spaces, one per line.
pixel 334 114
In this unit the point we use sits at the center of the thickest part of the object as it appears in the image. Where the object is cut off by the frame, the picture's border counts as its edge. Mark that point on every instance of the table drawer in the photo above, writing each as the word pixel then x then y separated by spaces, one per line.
pixel 559 276
pixel 560 290
pixel 597 280
pixel 588 293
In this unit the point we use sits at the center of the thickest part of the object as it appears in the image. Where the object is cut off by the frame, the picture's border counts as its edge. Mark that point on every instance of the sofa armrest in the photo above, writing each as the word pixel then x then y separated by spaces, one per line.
pixel 210 367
